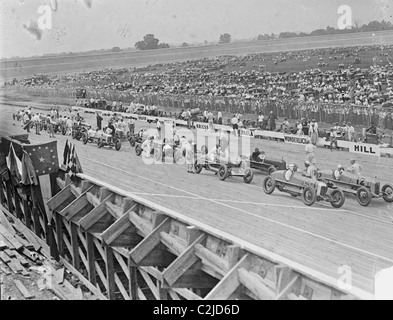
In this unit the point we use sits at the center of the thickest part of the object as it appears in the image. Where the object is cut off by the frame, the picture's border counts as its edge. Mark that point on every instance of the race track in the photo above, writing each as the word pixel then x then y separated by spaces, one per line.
pixel 318 237
pixel 83 62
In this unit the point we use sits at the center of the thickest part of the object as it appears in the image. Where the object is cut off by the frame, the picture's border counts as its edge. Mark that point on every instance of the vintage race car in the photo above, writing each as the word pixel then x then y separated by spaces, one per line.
pixel 109 140
pixel 91 136
pixel 268 165
pixel 222 167
pixel 364 188
pixel 310 190
pixel 78 129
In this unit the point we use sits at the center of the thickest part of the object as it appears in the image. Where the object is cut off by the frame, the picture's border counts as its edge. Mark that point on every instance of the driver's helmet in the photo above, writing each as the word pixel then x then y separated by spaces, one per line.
pixel 340 167
pixel 291 167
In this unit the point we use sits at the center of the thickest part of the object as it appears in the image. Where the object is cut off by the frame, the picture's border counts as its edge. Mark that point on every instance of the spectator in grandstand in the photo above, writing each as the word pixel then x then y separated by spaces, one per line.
pixel 272 121
pixel 333 139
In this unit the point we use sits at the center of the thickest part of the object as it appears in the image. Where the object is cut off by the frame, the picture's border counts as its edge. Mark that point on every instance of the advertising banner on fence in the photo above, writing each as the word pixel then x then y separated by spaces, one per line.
pixel 363 148
pixel 291 138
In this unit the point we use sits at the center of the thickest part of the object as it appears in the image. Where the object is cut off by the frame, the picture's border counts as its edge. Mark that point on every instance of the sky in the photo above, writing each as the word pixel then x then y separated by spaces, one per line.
pixel 83 25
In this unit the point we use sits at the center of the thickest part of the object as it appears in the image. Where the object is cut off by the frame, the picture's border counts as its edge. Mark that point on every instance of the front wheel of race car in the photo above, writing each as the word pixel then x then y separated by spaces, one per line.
pixel 132 142
pixel 271 169
pixel 269 184
pixel 198 167
pixel 337 198
pixel 223 172
pixel 117 145
pixel 387 191
pixel 138 150
pixel 100 143
pixel 248 175
pixel 363 195
pixel 85 138
pixel 309 196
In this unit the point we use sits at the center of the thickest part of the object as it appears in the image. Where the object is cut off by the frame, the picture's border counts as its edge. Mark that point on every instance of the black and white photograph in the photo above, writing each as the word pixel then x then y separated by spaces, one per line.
pixel 169 151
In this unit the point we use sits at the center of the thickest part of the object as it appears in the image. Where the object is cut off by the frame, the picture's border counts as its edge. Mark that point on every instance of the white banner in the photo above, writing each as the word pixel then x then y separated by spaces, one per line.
pixel 363 148
pixel 291 138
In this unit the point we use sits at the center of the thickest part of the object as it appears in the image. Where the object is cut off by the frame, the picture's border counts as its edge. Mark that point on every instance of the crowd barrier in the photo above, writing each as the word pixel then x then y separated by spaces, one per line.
pixel 353 147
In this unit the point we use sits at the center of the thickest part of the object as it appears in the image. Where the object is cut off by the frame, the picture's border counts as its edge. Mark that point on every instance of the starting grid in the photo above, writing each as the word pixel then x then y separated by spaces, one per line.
pixel 353 147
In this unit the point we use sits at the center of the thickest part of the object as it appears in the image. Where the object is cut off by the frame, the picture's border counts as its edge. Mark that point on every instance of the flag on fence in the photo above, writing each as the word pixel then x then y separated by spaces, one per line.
pixel 14 164
pixel 71 159
pixel 43 157
pixel 29 176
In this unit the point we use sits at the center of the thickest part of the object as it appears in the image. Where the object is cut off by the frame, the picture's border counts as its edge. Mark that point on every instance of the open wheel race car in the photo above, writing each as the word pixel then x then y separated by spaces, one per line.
pixel 110 141
pixel 364 188
pixel 78 129
pixel 310 190
pixel 222 167
pixel 267 165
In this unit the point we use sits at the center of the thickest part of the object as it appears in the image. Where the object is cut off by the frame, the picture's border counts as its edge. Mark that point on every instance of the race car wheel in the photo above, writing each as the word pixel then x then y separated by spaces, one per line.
pixel 85 138
pixel 248 175
pixel 204 150
pixel 223 172
pixel 269 184
pixel 198 167
pixel 138 150
pixel 387 191
pixel 78 136
pixel 132 142
pixel 337 198
pixel 64 131
pixel 157 154
pixel 100 143
pixel 117 145
pixel 309 196
pixel 363 195
pixel 271 169
pixel 128 135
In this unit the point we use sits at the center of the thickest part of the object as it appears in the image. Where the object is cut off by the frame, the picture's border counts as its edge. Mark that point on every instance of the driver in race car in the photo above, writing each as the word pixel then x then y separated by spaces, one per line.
pixel 108 134
pixel 258 156
pixel 91 132
pixel 290 172
pixel 338 172
pixel 214 154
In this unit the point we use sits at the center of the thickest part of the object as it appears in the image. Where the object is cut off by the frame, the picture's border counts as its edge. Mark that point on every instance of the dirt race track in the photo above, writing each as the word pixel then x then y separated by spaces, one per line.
pixel 83 62
pixel 318 237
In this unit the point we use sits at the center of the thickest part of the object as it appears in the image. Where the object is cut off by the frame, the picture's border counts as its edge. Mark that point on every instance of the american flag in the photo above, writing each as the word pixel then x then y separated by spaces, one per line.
pixel 43 157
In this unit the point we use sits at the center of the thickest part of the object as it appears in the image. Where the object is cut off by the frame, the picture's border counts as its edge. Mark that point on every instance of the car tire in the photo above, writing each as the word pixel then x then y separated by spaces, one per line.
pixel 223 172
pixel 100 143
pixel 157 154
pixel 269 184
pixel 85 139
pixel 198 167
pixel 271 169
pixel 138 150
pixel 387 191
pixel 337 198
pixel 117 145
pixel 248 175
pixel 363 196
pixel 309 196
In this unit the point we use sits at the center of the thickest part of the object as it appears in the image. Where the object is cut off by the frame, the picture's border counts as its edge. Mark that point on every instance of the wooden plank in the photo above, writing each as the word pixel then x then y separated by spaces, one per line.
pixel 5 258
pixel 91 258
pixel 220 264
pixel 183 262
pixel 59 275
pixel 288 287
pixel 5 270
pixel 95 215
pixel 188 294
pixel 75 246
pixel 86 282
pixel 74 207
pixel 18 267
pixel 10 253
pixel 114 210
pixel 25 243
pixel 3 245
pixel 59 233
pixel 27 212
pixel 172 243
pixel 21 259
pixel 94 201
pixel 26 294
pixel 150 242
pixel 59 198
pixel 17 245
pixel 232 255
pixel 140 223
pixel 150 284
pixel 116 229
pixel 229 283
pixel 194 278
pixel 254 283
pixel 6 224
pixel 110 272
pixel 133 281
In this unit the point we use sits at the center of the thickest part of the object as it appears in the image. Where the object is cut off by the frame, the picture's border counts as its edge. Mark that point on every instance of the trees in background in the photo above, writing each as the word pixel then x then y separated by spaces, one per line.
pixel 225 38
pixel 149 42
